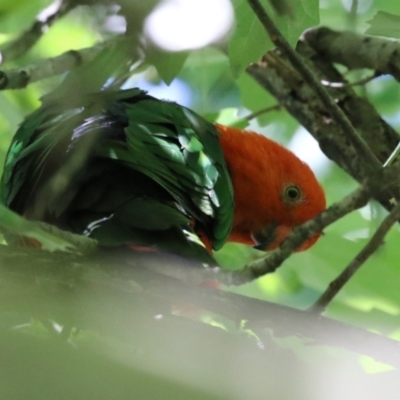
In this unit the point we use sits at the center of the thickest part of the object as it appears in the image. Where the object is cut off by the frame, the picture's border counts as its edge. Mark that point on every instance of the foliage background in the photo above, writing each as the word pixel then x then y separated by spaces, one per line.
pixel 215 88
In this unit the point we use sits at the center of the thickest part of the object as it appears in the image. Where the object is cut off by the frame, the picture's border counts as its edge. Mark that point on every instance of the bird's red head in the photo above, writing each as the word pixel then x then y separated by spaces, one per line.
pixel 274 190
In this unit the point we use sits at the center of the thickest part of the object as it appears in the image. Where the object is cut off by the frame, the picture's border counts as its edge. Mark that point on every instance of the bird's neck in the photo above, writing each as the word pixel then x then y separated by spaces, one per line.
pixel 244 157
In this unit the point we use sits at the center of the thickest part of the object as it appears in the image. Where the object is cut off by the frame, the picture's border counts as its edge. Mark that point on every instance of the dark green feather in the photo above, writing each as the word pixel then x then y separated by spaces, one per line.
pixel 123 167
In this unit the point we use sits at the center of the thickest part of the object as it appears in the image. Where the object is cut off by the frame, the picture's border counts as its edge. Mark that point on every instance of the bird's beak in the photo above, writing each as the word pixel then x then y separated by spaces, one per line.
pixel 265 238
pixel 270 237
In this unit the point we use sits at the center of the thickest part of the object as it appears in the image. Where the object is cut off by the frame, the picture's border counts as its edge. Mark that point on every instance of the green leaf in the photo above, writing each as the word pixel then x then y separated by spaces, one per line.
pixel 250 40
pixel 93 75
pixel 168 64
pixel 229 117
pixel 384 24
pixel 13 224
pixel 16 15
pixel 306 15
pixel 255 98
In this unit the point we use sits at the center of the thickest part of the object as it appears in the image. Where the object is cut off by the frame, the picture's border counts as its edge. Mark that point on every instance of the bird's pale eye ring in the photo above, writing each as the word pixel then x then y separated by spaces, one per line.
pixel 292 194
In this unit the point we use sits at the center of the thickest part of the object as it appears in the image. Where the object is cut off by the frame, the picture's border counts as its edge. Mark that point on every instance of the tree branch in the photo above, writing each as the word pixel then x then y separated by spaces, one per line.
pixel 43 235
pixel 263 111
pixel 302 68
pixel 21 77
pixel 282 81
pixel 355 200
pixel 18 47
pixel 355 50
pixel 178 268
pixel 373 244
pixel 69 289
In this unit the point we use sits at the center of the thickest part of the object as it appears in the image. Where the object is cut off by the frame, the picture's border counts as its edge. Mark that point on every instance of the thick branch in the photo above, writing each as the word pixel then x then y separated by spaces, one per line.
pixel 355 50
pixel 70 288
pixel 332 108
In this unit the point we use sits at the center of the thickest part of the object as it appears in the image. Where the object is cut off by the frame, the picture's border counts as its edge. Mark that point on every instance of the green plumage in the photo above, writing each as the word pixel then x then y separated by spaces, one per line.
pixel 122 167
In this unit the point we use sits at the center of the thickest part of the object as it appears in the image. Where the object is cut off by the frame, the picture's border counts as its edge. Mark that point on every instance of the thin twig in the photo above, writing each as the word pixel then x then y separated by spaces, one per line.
pixel 352 15
pixel 266 110
pixel 337 114
pixel 393 156
pixel 374 243
pixel 359 82
pixel 18 47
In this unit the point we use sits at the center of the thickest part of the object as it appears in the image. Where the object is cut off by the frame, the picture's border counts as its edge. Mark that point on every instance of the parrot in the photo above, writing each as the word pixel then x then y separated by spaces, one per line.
pixel 128 169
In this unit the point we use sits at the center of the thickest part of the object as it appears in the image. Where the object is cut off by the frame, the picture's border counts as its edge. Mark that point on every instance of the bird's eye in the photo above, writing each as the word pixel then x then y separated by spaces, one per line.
pixel 292 193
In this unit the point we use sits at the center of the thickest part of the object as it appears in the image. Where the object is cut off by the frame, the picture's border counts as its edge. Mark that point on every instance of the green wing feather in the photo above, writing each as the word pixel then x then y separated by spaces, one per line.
pixel 122 167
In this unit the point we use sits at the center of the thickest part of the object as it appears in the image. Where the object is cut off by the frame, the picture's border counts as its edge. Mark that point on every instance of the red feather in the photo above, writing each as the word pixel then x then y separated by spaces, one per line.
pixel 260 170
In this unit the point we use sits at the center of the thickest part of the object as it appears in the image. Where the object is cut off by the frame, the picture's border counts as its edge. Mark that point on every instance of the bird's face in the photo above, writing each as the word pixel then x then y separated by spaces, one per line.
pixel 274 193
pixel 268 227
pixel 297 198
pixel 274 190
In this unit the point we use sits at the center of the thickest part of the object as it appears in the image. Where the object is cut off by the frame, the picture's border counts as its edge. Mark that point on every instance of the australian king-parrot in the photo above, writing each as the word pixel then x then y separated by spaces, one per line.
pixel 126 168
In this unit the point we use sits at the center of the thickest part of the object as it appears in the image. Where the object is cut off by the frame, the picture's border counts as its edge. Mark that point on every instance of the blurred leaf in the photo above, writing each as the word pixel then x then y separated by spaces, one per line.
pixel 306 15
pixel 250 40
pixel 82 373
pixel 168 64
pixel 372 367
pixel 282 7
pixel 7 6
pixel 15 225
pixel 255 98
pixel 67 34
pixel 17 15
pixel 382 91
pixel 94 75
pixel 384 24
pixel 207 71
pixel 235 256
pixel 229 117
